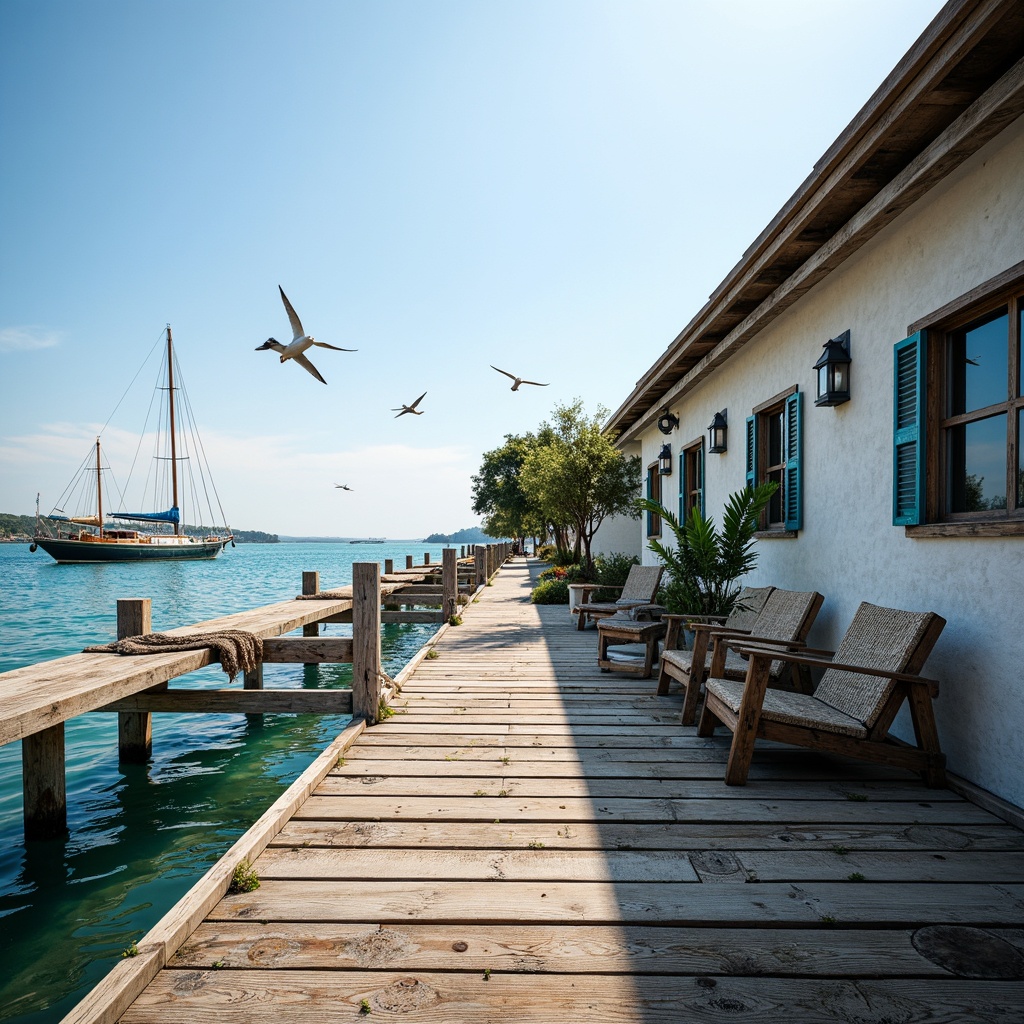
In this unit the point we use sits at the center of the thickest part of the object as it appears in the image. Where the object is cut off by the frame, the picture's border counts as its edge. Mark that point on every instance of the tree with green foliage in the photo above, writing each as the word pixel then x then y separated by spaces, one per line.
pixel 579 478
pixel 498 494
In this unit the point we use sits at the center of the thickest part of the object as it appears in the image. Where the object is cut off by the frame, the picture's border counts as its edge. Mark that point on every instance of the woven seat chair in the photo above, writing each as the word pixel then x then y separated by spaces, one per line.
pixel 785 618
pixel 873 670
pixel 640 588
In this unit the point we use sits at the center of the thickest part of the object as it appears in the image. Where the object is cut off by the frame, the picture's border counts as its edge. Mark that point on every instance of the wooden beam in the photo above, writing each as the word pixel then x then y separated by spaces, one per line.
pixel 308 650
pixel 238 701
pixel 449 583
pixel 417 616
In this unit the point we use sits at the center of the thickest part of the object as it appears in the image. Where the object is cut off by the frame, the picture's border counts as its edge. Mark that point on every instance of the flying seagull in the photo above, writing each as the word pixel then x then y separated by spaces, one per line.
pixel 517 380
pixel 410 408
pixel 344 487
pixel 299 343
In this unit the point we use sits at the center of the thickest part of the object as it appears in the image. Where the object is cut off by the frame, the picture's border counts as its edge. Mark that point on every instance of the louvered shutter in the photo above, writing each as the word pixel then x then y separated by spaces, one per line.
pixel 908 431
pixel 682 487
pixel 702 466
pixel 751 451
pixel 794 487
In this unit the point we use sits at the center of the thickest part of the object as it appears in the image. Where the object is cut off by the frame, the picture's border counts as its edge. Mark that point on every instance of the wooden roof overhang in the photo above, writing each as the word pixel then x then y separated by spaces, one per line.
pixel 958 86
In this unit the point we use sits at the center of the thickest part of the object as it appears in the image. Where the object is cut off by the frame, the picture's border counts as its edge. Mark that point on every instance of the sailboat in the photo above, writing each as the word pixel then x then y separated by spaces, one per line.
pixel 87 537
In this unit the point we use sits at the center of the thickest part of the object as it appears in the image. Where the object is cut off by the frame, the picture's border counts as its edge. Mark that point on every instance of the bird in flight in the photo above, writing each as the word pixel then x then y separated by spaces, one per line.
pixel 516 381
pixel 344 487
pixel 410 408
pixel 299 343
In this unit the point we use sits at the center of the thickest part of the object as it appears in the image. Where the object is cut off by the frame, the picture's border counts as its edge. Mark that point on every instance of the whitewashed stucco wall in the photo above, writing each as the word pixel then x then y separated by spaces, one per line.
pixel 964 232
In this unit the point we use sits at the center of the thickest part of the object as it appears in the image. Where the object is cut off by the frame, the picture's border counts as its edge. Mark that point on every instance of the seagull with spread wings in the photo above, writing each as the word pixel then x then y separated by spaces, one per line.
pixel 344 487
pixel 516 381
pixel 299 343
pixel 410 408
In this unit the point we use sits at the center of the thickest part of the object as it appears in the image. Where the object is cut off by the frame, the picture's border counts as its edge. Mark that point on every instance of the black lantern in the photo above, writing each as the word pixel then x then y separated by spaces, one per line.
pixel 718 434
pixel 665 460
pixel 833 368
pixel 667 422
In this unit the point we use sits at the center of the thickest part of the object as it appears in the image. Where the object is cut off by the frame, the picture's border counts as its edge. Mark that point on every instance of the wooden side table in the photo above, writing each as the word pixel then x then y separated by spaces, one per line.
pixel 614 630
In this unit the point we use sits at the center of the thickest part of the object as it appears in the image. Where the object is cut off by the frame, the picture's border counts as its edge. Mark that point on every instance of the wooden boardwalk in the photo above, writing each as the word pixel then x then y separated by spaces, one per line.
pixel 528 840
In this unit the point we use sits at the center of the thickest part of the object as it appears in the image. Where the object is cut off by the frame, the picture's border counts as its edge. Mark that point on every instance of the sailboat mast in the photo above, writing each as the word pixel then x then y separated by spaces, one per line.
pixel 174 433
pixel 99 488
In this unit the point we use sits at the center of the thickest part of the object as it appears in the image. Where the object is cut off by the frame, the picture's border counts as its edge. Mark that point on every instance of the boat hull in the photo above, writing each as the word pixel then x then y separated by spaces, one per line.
pixel 81 551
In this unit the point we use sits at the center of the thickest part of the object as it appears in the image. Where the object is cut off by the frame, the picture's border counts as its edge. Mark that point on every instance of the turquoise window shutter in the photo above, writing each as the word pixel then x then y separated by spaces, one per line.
pixel 908 431
pixel 682 487
pixel 751 459
pixel 794 485
pixel 703 483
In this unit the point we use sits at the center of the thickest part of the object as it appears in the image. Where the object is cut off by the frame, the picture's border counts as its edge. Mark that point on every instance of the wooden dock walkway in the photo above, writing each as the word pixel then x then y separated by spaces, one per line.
pixel 529 840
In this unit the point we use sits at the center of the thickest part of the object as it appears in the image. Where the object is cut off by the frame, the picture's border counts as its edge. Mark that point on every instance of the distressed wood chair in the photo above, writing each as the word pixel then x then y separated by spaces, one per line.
pixel 675 659
pixel 785 618
pixel 640 588
pixel 873 670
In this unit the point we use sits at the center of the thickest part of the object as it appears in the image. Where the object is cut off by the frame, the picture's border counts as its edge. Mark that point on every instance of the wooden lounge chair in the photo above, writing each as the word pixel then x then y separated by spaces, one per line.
pixel 871 673
pixel 640 588
pixel 786 617
pixel 676 660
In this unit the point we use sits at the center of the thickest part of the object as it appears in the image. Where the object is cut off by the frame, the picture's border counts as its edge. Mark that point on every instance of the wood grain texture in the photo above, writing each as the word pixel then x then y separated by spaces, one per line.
pixel 529 840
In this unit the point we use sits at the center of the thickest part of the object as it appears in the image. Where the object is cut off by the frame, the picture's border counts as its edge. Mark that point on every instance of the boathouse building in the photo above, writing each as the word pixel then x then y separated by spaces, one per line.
pixel 902 484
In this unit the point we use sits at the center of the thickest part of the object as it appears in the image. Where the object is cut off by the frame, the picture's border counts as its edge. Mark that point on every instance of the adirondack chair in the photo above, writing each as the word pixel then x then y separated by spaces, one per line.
pixel 785 618
pixel 873 670
pixel 640 588
pixel 675 660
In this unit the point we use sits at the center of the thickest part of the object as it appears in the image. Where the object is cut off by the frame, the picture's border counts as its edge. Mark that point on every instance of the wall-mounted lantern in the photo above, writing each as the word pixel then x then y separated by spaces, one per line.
pixel 667 422
pixel 833 369
pixel 718 433
pixel 665 460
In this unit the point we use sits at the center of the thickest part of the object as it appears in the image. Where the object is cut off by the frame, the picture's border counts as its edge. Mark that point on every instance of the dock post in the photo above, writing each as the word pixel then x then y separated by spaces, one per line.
pixel 389 566
pixel 135 728
pixel 366 668
pixel 480 566
pixel 311 585
pixel 449 584
pixel 408 561
pixel 43 784
pixel 426 558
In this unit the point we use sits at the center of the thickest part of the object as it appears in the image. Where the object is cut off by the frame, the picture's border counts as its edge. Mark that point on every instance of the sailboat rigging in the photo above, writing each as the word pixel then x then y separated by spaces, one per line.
pixel 98 542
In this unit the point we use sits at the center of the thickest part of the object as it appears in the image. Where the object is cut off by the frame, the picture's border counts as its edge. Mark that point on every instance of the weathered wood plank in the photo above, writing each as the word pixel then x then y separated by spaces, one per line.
pixel 240 701
pixel 298 997
pixel 308 650
pixel 556 950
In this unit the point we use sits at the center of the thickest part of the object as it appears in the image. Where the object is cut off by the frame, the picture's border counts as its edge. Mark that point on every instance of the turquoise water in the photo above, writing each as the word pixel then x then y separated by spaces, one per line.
pixel 141 835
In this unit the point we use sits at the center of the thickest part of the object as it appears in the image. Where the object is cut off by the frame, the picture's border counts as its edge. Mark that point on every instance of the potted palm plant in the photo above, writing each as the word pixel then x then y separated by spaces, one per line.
pixel 705 565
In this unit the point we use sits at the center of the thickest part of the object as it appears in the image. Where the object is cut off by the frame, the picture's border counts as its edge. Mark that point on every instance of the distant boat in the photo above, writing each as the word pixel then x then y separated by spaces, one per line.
pixel 84 537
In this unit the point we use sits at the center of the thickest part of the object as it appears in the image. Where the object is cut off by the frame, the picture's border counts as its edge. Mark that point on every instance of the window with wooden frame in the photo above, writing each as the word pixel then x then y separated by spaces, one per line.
pixel 654 493
pixel 958 407
pixel 773 453
pixel 691 479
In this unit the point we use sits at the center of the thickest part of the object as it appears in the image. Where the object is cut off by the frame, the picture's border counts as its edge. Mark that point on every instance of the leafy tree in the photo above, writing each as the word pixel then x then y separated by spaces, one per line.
pixel 578 478
pixel 704 565
pixel 498 494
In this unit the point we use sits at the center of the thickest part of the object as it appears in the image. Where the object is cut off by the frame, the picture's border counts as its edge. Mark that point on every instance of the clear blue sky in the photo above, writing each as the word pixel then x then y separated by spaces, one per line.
pixel 553 187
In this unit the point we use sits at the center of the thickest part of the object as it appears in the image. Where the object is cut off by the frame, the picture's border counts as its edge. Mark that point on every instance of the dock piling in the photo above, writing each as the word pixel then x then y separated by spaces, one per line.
pixel 449 583
pixel 366 663
pixel 135 728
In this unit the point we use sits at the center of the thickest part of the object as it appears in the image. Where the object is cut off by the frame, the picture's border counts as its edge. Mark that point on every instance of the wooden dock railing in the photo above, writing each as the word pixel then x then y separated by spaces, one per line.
pixel 36 701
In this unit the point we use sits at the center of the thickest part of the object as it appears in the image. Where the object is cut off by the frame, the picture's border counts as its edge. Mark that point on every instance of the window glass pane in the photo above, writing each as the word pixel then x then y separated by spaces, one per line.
pixel 978 370
pixel 774 438
pixel 977 465
pixel 1020 349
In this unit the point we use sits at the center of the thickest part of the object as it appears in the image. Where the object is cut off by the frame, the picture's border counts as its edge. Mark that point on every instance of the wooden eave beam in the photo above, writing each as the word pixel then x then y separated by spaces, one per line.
pixel 961 25
pixel 995 110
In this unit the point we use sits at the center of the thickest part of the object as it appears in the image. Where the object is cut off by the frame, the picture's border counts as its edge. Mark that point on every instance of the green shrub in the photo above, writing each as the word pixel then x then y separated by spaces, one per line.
pixel 551 592
pixel 612 570
pixel 545 552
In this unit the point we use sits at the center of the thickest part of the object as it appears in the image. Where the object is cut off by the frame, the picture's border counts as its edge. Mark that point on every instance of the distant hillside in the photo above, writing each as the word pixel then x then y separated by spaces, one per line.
pixel 473 535
pixel 14 527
